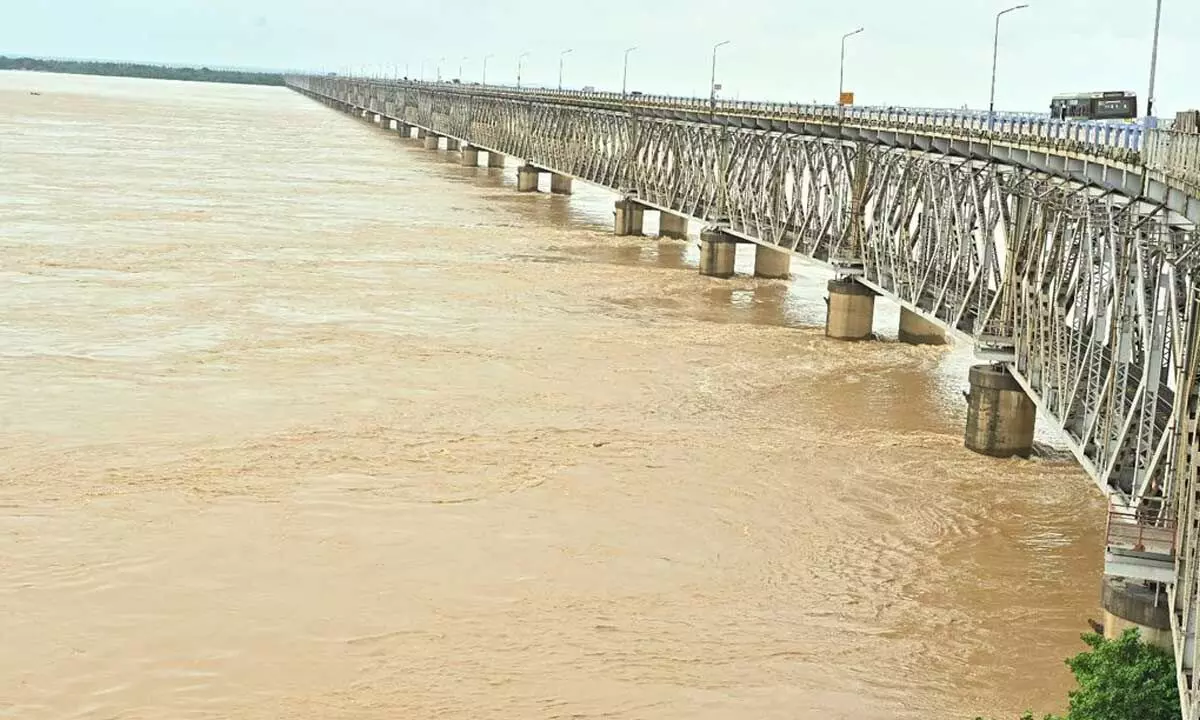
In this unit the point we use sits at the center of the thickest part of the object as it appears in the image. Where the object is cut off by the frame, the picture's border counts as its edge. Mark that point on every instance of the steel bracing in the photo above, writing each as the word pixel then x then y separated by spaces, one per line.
pixel 1068 251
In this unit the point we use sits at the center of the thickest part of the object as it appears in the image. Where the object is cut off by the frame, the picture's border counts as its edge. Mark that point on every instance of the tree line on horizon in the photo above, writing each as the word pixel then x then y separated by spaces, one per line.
pixel 158 72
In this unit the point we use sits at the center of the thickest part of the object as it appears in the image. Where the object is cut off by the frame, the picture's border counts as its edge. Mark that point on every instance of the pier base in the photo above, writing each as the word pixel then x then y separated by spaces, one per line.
pixel 431 141
pixel 470 156
pixel 771 263
pixel 850 311
pixel 527 178
pixel 560 184
pixel 495 159
pixel 672 226
pixel 627 217
pixel 718 252
pixel 1000 416
pixel 916 330
pixel 1129 603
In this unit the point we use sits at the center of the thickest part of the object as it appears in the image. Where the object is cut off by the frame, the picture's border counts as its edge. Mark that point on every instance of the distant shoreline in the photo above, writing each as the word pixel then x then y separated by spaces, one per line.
pixel 137 70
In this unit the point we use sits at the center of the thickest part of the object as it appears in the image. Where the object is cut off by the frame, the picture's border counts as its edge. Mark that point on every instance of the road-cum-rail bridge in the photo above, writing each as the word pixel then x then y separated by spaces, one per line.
pixel 1068 252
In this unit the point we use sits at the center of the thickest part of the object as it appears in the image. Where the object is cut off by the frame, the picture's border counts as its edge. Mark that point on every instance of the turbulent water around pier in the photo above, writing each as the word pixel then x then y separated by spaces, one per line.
pixel 302 421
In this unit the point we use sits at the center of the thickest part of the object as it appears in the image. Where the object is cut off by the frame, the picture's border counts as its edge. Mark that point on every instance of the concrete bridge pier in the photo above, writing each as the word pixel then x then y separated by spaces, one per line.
pixel 495 159
pixel 385 122
pixel 431 141
pixel 627 217
pixel 916 330
pixel 404 130
pixel 451 144
pixel 1129 603
pixel 560 184
pixel 370 116
pixel 718 251
pixel 672 225
pixel 850 310
pixel 527 178
pixel 772 263
pixel 470 156
pixel 1000 416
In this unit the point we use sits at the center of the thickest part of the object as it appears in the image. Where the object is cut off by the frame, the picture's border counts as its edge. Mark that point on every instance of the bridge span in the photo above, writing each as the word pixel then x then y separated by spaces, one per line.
pixel 1066 252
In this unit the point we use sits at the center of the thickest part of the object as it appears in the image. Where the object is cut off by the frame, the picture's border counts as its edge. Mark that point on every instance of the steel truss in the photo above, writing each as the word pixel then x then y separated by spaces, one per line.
pixel 1094 293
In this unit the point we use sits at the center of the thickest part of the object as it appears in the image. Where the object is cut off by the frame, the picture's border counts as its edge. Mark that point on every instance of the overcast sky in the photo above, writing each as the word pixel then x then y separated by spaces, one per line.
pixel 914 53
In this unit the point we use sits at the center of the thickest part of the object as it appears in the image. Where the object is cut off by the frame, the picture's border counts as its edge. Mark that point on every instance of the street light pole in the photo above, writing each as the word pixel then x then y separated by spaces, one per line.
pixel 485 59
pixel 460 67
pixel 561 55
pixel 842 64
pixel 520 59
pixel 1153 62
pixel 439 68
pixel 995 55
pixel 712 85
pixel 625 70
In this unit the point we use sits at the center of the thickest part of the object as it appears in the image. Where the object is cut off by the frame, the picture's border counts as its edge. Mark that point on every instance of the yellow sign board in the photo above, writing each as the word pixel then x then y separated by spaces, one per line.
pixel 846 98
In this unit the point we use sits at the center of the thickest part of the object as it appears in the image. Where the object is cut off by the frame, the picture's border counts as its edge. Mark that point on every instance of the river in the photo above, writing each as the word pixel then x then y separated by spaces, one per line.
pixel 301 420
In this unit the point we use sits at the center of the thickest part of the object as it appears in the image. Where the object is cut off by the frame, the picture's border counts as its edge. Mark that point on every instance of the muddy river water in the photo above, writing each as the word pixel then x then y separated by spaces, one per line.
pixel 301 420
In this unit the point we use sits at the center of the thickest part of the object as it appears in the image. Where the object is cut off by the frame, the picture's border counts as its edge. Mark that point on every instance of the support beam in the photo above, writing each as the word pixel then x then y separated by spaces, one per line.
pixel 1129 603
pixel 560 184
pixel 495 159
pixel 718 252
pixel 1000 416
pixel 627 217
pixel 470 156
pixel 527 178
pixel 850 310
pixel 672 225
pixel 916 330
pixel 431 141
pixel 772 263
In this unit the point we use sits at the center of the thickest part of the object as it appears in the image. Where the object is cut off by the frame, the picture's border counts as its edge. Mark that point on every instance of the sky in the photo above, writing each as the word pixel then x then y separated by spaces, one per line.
pixel 919 53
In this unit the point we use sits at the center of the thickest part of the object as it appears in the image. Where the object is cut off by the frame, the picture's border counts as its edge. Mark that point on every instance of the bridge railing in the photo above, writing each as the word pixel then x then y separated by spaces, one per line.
pixel 1176 155
pixel 1121 141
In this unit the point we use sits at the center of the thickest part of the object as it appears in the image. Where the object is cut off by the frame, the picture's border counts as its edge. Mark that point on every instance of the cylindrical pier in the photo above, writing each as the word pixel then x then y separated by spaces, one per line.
pixel 772 263
pixel 560 184
pixel 916 330
pixel 1000 416
pixel 470 156
pixel 718 251
pixel 431 141
pixel 850 313
pixel 527 178
pixel 627 217
pixel 1129 603
pixel 451 144
pixel 495 159
pixel 672 225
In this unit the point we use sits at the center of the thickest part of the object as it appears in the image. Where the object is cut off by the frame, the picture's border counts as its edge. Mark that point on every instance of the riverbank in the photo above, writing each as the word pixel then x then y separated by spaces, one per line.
pixel 159 72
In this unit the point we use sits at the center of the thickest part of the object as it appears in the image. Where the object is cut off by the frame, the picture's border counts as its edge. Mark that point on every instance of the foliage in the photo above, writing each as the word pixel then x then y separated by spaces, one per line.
pixel 163 72
pixel 1121 679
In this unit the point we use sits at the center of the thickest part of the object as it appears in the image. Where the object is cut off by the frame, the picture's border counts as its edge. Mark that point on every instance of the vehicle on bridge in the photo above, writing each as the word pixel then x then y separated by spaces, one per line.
pixel 1107 105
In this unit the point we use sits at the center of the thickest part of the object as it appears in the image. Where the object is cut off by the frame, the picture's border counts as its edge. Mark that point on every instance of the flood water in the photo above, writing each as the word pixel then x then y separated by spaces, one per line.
pixel 301 420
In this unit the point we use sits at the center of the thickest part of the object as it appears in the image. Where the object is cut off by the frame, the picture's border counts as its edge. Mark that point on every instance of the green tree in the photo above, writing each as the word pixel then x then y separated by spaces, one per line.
pixel 1121 679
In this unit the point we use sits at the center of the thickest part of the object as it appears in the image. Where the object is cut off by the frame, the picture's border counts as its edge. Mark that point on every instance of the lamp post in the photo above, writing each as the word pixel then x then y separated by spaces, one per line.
pixel 712 85
pixel 520 60
pixel 842 64
pixel 562 55
pixel 439 68
pixel 1153 62
pixel 485 59
pixel 995 55
pixel 460 67
pixel 625 70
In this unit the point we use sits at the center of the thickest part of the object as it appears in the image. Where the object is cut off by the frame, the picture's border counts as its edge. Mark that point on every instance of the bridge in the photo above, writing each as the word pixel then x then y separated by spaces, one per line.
pixel 1066 252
